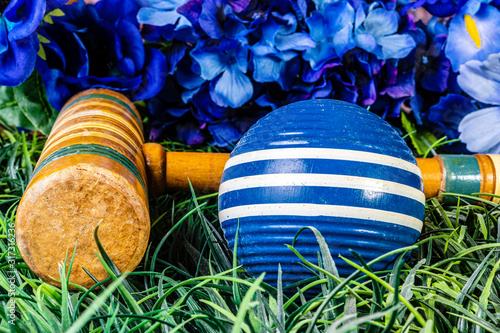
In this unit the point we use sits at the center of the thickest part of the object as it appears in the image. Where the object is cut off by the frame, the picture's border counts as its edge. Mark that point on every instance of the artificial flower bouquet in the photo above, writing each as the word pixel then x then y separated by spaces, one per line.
pixel 206 70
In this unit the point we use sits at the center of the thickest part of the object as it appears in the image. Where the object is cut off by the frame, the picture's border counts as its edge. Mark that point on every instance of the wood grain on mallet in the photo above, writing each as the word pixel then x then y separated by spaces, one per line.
pixel 91 173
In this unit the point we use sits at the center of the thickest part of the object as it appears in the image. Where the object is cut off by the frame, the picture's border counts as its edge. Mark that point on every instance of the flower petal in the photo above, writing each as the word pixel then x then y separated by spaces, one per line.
pixel 233 89
pixel 4 41
pixel 18 62
pixel 224 134
pixel 153 77
pixel 57 91
pixel 299 41
pixel 211 63
pixel 343 41
pixel 396 46
pixel 367 42
pixel 209 20
pixel 479 131
pixel 267 68
pixel 190 133
pixel 154 17
pixel 316 26
pixel 28 16
pixel 381 22
pixel 132 44
pixel 338 15
pixel 481 82
pixel 448 113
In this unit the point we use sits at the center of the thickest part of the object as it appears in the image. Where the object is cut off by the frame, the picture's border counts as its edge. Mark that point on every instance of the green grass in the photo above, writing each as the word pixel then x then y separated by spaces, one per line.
pixel 190 282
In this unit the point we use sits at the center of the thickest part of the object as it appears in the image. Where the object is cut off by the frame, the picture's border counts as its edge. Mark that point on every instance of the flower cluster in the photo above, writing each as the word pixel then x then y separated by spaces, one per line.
pixel 19 44
pixel 208 69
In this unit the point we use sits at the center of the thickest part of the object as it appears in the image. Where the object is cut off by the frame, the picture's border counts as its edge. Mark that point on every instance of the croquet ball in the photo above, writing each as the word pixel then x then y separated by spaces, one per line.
pixel 326 164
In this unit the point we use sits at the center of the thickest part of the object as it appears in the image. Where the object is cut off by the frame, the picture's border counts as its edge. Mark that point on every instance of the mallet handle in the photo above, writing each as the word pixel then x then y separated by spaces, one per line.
pixel 171 170
pixel 462 174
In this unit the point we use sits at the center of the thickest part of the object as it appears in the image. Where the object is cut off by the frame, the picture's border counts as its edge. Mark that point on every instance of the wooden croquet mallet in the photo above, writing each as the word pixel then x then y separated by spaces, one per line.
pixel 95 170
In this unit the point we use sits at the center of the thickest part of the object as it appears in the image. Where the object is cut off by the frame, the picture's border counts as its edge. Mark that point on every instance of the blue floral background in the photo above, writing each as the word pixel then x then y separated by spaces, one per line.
pixel 205 70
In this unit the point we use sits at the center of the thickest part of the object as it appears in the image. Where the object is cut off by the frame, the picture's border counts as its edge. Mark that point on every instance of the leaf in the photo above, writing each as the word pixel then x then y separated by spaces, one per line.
pixel 27 105
pixel 421 139
pixel 245 305
pixel 10 112
pixel 32 99
pixel 56 12
pixel 43 39
pixel 94 306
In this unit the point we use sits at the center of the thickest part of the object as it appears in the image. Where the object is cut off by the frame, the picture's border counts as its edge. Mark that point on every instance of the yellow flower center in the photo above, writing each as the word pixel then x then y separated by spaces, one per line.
pixel 472 29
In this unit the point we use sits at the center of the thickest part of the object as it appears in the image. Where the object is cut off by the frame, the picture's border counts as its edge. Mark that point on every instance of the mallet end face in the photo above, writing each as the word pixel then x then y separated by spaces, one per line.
pixel 61 211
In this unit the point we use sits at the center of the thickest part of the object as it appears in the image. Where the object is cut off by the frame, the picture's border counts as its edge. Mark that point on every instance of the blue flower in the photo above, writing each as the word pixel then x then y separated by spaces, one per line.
pixel 473 33
pixel 226 69
pixel 332 30
pixel 447 114
pixel 100 46
pixel 399 81
pixel 481 80
pixel 218 20
pixel 162 12
pixel 278 45
pixel 438 8
pixel 18 39
pixel 433 67
pixel 165 17
pixel 365 67
pixel 376 32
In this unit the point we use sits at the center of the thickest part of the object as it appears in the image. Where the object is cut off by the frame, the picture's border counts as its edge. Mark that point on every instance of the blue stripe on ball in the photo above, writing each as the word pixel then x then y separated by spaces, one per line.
pixel 323 195
pixel 339 167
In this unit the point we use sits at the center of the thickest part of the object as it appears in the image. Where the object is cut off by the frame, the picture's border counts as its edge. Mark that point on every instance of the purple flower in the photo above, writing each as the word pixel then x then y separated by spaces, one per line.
pixel 100 46
pixel 433 67
pixel 473 33
pixel 365 67
pixel 19 44
pixel 447 114
pixel 376 32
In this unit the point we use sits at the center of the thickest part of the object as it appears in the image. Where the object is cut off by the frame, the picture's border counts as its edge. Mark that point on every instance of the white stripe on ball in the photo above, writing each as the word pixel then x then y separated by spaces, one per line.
pixel 300 209
pixel 323 153
pixel 322 180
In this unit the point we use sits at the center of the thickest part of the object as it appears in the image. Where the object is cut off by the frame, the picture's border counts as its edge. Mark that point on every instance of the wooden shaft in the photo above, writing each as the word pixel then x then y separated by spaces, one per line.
pixel 203 170
pixel 462 174
pixel 173 171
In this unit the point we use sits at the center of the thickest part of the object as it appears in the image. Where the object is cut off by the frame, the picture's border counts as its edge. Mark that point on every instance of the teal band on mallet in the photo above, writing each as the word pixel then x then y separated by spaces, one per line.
pixel 461 174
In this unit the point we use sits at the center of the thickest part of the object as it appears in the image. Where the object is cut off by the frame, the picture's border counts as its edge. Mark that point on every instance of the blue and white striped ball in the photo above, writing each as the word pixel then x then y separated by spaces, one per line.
pixel 327 164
